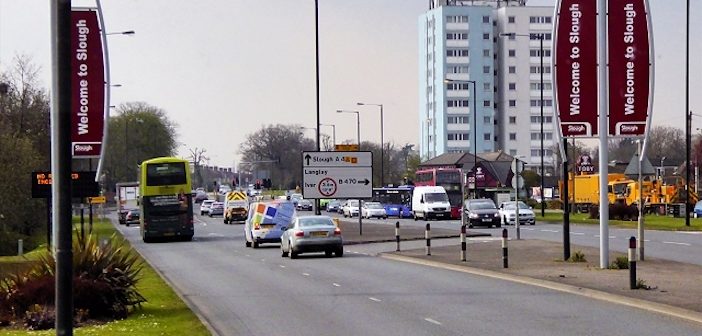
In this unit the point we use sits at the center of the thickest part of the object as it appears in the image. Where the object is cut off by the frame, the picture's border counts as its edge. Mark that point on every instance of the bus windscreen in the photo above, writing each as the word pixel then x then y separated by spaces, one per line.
pixel 161 174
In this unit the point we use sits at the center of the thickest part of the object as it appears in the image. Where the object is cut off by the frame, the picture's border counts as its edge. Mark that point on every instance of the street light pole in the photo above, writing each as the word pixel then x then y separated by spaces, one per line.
pixel 541 52
pixel 358 124
pixel 541 104
pixel 474 129
pixel 333 132
pixel 382 143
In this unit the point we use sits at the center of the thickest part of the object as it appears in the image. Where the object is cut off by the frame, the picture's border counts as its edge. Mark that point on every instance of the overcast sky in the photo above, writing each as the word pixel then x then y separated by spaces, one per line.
pixel 224 68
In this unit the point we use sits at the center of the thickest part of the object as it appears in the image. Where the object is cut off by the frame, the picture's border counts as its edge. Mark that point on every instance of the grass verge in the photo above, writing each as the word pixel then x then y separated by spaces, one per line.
pixel 651 222
pixel 163 314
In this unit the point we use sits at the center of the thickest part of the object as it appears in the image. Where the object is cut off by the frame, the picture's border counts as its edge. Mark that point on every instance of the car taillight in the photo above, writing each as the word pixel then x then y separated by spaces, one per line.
pixel 337 231
pixel 257 227
pixel 299 233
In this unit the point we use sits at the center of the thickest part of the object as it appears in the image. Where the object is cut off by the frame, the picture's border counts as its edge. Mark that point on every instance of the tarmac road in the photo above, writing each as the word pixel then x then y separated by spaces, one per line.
pixel 245 291
pixel 672 245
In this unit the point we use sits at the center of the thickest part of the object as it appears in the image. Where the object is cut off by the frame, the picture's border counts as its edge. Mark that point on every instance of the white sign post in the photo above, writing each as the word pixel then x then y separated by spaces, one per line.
pixel 337 175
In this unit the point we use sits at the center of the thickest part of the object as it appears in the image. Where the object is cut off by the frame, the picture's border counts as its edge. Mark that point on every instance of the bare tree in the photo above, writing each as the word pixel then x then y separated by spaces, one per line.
pixel 197 157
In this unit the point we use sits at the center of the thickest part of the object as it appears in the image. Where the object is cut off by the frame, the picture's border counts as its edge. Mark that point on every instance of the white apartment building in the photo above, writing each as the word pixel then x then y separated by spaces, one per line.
pixel 460 41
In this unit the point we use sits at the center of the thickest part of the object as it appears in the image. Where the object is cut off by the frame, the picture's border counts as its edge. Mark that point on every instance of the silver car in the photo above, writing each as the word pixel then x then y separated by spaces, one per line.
pixel 312 234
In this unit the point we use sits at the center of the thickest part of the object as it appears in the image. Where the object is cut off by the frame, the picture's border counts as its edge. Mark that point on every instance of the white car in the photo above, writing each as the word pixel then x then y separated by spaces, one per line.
pixel 373 209
pixel 205 207
pixel 508 213
pixel 350 208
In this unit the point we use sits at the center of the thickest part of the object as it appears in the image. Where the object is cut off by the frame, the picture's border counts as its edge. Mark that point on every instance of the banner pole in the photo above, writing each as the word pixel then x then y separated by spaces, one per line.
pixel 603 130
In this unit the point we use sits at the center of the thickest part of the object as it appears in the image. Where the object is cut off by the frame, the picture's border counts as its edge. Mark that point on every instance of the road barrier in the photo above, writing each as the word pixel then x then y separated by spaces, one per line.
pixel 505 262
pixel 463 242
pixel 427 236
pixel 632 263
pixel 397 235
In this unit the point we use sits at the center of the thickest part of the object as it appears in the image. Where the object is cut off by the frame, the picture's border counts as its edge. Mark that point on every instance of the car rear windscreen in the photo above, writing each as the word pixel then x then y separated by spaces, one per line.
pixel 160 174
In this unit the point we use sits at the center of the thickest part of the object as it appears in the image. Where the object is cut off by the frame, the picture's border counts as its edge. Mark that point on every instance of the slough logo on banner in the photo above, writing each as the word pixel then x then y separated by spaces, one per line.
pixel 630 67
pixel 575 67
pixel 87 84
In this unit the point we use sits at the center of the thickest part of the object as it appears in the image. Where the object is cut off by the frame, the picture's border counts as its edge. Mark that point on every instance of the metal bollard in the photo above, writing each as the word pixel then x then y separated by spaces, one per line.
pixel 20 247
pixel 505 263
pixel 397 235
pixel 427 236
pixel 632 263
pixel 463 242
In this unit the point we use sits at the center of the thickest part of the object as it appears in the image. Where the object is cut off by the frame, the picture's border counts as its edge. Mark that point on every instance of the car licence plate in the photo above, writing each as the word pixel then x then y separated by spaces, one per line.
pixel 318 234
pixel 487 220
pixel 267 226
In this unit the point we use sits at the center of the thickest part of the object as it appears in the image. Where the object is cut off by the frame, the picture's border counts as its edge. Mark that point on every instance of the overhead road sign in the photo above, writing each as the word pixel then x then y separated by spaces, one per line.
pixel 337 174
pixel 346 148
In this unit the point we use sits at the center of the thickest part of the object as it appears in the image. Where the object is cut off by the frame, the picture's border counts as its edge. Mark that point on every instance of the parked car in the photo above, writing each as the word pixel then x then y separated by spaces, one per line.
pixel 333 206
pixel 312 234
pixel 217 208
pixel 205 207
pixel 350 209
pixel 482 212
pixel 304 204
pixel 295 198
pixel 132 217
pixel 508 213
pixel 373 209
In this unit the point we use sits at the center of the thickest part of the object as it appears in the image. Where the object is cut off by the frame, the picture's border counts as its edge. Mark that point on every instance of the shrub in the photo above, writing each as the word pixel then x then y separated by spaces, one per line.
pixel 532 202
pixel 554 204
pixel 40 318
pixel 104 284
pixel 578 256
pixel 620 263
pixel 594 212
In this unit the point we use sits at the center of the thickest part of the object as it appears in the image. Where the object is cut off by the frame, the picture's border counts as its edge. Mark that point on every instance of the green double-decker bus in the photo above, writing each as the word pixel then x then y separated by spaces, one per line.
pixel 165 199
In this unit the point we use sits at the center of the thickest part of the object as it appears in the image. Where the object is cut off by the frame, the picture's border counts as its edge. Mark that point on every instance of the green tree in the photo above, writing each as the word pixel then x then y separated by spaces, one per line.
pixel 139 132
pixel 24 148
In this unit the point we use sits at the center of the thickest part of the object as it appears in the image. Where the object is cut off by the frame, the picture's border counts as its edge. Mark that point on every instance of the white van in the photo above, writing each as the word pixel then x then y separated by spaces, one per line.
pixel 428 202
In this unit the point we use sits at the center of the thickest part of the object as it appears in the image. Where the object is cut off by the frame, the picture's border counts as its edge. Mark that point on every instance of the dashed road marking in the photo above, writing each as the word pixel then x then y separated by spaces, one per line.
pixel 248 255
pixel 543 230
pixel 430 320
pixel 528 229
pixel 335 284
pixel 374 299
pixel 676 243
pixel 577 233
pixel 306 274
pixel 282 266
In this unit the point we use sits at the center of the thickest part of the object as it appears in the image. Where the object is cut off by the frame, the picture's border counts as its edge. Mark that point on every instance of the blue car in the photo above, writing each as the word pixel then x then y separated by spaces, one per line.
pixel 698 210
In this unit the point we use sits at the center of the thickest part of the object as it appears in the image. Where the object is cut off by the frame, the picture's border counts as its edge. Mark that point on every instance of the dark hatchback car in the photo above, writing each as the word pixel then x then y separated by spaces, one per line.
pixel 132 217
pixel 482 212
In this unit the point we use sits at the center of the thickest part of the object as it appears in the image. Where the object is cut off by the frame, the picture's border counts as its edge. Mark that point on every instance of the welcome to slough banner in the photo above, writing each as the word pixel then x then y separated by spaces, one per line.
pixel 629 71
pixel 88 84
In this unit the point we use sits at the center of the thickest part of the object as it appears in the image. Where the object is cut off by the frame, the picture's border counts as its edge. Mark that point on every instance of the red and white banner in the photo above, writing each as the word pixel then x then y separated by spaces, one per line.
pixel 575 67
pixel 87 84
pixel 630 67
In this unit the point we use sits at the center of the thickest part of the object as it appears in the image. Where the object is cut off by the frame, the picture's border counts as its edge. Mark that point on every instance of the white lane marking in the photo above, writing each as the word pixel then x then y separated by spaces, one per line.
pixel 577 233
pixel 676 243
pixel 306 274
pixel 336 284
pixel 610 237
pixel 432 321
pixel 248 255
pixel 689 232
pixel 215 234
pixel 646 240
pixel 374 299
pixel 528 229
pixel 282 266
pixel 263 260
pixel 355 252
pixel 542 230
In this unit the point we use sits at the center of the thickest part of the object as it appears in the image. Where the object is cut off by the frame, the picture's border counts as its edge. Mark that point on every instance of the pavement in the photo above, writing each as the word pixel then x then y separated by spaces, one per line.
pixel 669 287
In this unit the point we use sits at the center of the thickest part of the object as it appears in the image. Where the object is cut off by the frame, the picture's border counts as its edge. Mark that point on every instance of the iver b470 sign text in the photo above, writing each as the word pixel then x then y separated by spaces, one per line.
pixel 337 174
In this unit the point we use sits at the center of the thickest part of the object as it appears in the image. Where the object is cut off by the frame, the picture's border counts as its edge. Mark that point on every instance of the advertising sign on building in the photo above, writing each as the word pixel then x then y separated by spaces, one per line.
pixel 87 84
pixel 575 67
pixel 630 67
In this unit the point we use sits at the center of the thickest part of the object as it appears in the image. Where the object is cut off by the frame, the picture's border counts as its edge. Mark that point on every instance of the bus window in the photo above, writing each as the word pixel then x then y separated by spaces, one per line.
pixel 160 174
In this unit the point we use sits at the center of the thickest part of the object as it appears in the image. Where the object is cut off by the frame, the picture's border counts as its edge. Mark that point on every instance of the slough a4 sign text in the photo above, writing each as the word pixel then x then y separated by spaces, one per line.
pixel 337 174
